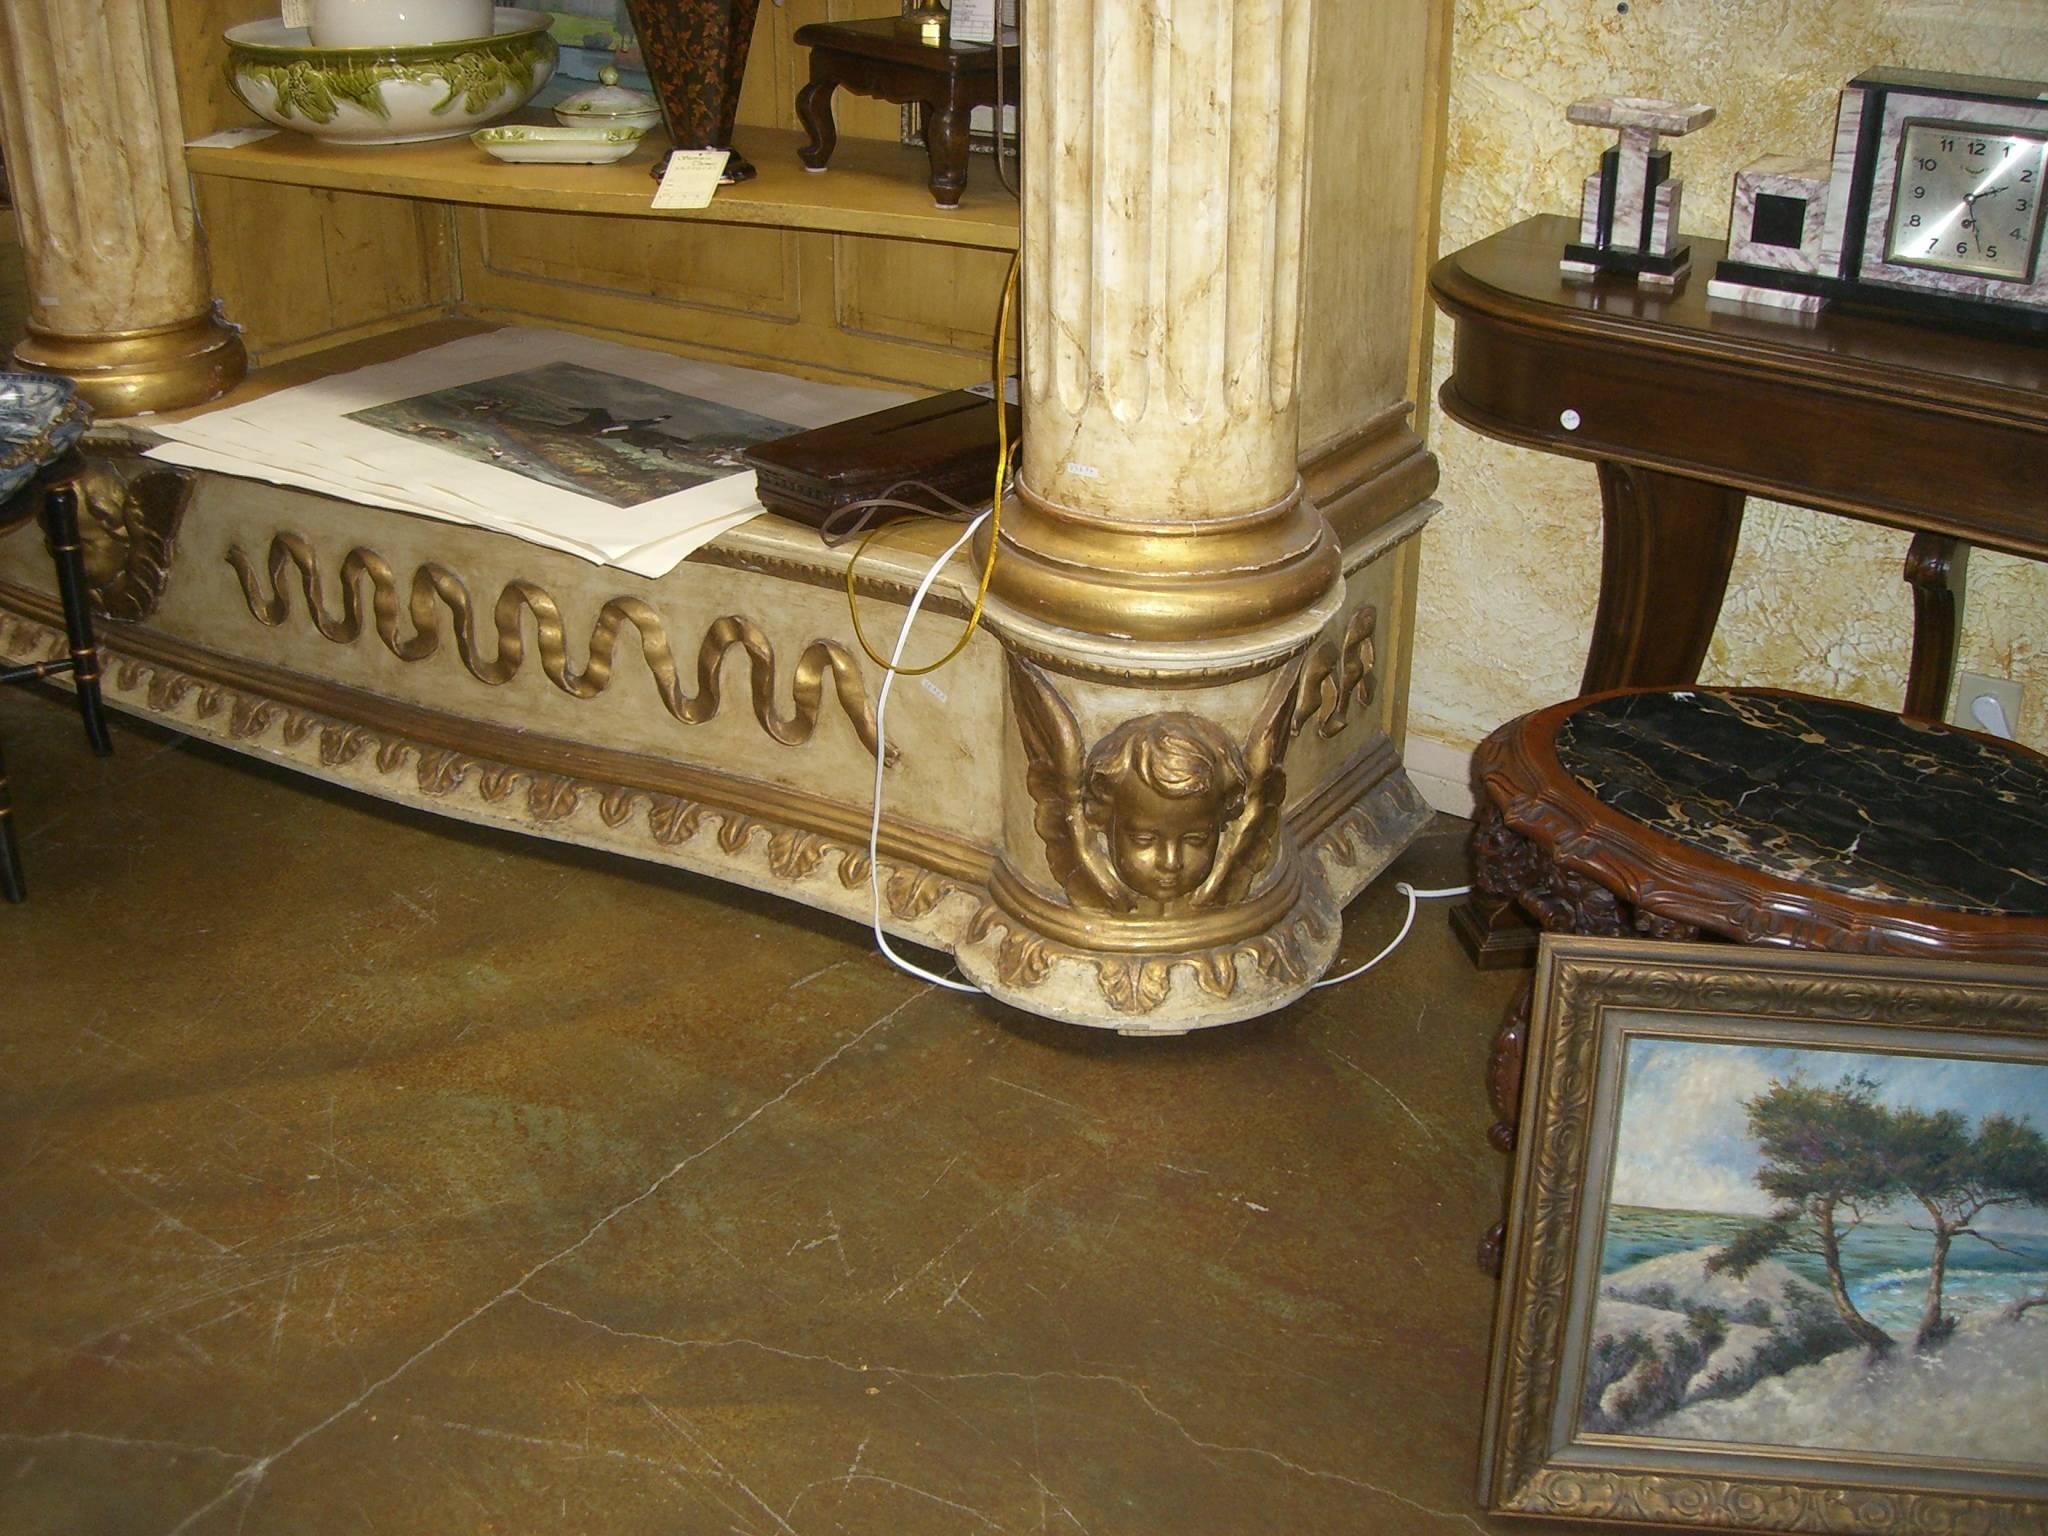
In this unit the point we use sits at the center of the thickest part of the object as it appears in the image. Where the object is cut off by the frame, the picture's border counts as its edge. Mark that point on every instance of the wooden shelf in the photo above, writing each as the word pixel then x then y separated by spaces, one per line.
pixel 873 187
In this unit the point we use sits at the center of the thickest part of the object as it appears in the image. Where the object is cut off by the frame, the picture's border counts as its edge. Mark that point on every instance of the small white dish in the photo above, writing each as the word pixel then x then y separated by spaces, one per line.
pixel 525 145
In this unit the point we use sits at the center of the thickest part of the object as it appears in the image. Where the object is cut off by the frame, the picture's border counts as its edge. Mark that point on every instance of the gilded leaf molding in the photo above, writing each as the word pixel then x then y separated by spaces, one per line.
pixel 909 893
pixel 1137 984
pixel 433 587
pixel 1336 675
pixel 1165 813
pixel 129 533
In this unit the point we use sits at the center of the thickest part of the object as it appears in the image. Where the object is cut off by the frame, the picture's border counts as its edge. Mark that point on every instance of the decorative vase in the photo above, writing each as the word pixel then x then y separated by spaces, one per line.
pixel 696 52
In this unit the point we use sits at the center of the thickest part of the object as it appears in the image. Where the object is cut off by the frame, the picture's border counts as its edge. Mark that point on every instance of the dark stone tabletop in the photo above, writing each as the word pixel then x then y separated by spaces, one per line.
pixel 1855 800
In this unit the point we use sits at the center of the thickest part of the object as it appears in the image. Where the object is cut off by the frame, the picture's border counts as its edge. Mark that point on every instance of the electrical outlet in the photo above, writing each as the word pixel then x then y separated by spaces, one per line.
pixel 1989 704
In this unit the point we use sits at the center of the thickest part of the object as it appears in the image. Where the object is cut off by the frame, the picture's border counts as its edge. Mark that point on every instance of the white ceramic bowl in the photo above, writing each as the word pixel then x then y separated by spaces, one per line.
pixel 397 94
pixel 382 23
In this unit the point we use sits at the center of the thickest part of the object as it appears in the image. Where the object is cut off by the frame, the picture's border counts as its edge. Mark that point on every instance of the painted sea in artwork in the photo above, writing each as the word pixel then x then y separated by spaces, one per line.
pixel 617 440
pixel 1827 1250
pixel 1886 1265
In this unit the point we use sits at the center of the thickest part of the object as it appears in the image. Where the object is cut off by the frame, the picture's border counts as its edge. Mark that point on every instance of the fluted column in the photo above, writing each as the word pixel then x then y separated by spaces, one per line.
pixel 119 294
pixel 1169 602
pixel 1162 228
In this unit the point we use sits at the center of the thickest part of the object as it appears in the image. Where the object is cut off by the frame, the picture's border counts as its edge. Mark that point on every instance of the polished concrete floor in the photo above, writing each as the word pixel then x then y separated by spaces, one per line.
pixel 365 1172
pixel 361 1171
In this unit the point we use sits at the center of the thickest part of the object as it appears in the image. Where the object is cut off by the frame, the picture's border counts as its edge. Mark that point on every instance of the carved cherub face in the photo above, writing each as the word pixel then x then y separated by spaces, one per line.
pixel 1161 790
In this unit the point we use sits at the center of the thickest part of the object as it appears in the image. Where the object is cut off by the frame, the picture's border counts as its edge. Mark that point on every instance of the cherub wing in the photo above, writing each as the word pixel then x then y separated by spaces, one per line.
pixel 1052 742
pixel 1246 847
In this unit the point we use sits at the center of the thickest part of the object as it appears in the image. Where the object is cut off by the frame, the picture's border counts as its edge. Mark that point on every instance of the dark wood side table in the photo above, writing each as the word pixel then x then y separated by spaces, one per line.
pixel 1686 408
pixel 1761 817
pixel 945 81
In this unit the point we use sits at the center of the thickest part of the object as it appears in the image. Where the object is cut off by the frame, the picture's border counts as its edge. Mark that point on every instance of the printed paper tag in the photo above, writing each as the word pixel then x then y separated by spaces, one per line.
pixel 297 13
pixel 691 178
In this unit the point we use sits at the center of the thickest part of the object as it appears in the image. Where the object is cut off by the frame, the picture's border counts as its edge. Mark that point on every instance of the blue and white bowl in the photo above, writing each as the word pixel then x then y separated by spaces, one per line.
pixel 40 417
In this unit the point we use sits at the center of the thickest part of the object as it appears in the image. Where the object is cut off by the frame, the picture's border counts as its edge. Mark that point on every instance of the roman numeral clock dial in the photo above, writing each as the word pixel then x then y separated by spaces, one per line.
pixel 1968 199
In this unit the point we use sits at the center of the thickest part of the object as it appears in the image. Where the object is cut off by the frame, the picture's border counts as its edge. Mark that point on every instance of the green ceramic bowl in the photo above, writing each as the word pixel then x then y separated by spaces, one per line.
pixel 395 95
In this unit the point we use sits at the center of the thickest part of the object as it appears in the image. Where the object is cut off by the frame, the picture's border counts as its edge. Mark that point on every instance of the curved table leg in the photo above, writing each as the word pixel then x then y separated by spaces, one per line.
pixel 945 141
pixel 814 111
pixel 1504 1092
pixel 1937 568
pixel 1664 558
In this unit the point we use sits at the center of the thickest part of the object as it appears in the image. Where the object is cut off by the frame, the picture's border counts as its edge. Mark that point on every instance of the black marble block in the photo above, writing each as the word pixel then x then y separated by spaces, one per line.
pixel 1825 793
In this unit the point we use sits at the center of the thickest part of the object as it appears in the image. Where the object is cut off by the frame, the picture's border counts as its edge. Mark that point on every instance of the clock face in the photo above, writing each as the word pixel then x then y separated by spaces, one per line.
pixel 1967 199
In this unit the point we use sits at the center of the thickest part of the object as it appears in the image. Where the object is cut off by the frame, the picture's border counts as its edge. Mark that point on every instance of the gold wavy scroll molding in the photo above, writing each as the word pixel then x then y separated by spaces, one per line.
pixel 434 586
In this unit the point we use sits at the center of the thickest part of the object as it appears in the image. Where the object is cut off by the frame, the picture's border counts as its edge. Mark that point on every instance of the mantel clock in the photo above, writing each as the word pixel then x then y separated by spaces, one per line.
pixel 1932 204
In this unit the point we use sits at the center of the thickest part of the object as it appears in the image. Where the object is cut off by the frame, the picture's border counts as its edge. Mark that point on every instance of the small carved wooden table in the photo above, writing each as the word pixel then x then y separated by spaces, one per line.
pixel 945 81
pixel 1761 817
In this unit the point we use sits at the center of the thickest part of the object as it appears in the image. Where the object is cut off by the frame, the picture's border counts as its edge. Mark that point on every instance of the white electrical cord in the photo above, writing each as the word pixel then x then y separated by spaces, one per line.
pixel 917 598
pixel 881 757
pixel 1406 923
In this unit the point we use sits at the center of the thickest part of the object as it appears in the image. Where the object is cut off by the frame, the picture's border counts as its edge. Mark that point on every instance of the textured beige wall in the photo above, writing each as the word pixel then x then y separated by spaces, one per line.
pixel 1509 572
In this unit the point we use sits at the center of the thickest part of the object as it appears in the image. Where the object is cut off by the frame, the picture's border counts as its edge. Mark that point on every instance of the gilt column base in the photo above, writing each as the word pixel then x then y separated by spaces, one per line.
pixel 163 368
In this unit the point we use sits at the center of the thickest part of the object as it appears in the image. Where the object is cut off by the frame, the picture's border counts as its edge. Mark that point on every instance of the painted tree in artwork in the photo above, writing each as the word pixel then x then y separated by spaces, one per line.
pixel 1826 1163
pixel 1957 1177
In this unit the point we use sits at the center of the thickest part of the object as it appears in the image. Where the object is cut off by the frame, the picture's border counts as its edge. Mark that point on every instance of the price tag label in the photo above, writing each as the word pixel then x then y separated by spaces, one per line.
pixel 297 13
pixel 691 178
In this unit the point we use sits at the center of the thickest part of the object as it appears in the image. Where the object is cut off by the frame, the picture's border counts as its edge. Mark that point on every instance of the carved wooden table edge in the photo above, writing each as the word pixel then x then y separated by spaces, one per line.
pixel 1678 505
pixel 1545 846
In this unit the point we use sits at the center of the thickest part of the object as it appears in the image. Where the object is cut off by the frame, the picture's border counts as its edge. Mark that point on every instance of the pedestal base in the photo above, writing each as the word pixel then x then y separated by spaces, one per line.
pixel 712 720
pixel 163 369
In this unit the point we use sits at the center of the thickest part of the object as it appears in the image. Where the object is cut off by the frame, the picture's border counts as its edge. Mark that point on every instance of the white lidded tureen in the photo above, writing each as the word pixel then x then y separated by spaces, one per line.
pixel 609 104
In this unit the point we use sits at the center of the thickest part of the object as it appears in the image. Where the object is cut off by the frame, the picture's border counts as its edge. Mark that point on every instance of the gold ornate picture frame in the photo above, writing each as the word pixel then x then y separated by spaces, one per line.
pixel 1777 1252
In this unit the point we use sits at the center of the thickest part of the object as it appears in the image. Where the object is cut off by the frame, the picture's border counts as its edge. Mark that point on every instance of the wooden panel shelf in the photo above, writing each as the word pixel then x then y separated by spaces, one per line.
pixel 874 187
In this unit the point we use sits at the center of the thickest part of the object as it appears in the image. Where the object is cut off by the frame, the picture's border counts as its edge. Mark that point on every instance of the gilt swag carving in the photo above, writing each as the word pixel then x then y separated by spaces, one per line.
pixel 434 587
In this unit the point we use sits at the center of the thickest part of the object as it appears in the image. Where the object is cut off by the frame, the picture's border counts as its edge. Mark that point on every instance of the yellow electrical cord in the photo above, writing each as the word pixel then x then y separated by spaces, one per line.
pixel 995 521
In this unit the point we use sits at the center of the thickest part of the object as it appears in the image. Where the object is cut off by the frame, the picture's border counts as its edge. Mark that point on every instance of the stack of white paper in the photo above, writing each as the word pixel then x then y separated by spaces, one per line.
pixel 614 454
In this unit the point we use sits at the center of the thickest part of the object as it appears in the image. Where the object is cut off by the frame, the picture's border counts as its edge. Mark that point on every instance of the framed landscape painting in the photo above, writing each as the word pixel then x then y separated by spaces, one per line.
pixel 1777 1245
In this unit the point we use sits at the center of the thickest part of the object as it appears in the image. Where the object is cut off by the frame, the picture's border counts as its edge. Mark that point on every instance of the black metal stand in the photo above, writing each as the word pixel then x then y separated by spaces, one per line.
pixel 57 484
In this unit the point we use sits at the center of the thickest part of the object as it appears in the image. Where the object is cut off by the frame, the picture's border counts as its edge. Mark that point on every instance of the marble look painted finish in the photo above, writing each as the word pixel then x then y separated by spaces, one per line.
pixel 1160 353
pixel 1854 800
pixel 1511 568
pixel 98 161
pixel 460 1185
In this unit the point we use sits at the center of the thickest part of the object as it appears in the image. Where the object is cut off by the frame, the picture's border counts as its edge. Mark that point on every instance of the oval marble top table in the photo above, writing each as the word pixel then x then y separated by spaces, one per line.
pixel 1772 817
pixel 1853 799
